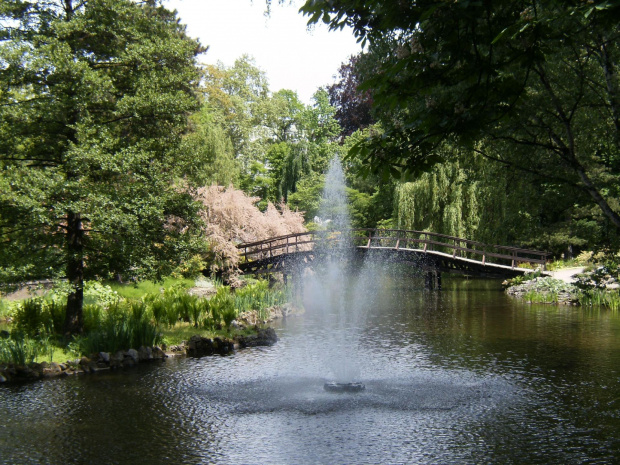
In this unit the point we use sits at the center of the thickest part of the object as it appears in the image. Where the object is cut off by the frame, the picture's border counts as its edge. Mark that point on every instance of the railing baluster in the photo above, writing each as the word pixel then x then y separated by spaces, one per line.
pixel 423 240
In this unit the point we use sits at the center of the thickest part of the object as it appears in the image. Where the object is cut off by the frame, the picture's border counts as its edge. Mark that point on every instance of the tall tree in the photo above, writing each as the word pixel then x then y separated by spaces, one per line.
pixel 353 106
pixel 208 150
pixel 237 94
pixel 536 81
pixel 94 99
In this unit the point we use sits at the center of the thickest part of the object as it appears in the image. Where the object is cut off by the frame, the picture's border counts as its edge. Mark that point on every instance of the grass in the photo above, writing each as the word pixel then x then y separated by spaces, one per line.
pixel 137 290
pixel 119 317
pixel 6 309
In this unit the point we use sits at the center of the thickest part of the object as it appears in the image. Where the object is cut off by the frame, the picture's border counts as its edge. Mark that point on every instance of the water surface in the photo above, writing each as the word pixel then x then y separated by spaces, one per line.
pixel 464 375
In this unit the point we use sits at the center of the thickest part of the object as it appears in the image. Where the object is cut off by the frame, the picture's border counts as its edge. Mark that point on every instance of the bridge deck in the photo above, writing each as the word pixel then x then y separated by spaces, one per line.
pixel 430 251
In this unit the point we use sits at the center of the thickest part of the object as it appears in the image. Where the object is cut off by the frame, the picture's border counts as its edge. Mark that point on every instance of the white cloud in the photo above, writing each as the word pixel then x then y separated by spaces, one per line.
pixel 292 57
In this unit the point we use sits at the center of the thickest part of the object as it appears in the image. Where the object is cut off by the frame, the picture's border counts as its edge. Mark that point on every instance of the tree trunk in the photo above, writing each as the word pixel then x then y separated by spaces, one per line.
pixel 75 274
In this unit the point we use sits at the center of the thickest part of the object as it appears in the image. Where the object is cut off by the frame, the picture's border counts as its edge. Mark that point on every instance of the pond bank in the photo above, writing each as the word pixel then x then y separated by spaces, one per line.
pixel 197 346
pixel 569 286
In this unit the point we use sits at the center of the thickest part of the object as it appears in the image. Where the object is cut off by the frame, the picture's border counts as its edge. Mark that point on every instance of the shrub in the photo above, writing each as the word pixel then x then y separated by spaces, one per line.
pixel 33 318
pixel 6 308
pixel 522 278
pixel 231 217
pixel 191 267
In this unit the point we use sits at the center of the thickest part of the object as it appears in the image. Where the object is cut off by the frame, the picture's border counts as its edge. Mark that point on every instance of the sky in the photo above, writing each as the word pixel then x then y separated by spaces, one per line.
pixel 291 56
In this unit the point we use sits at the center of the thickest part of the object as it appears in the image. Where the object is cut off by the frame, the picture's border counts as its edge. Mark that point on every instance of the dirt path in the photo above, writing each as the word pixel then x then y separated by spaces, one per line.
pixel 567 274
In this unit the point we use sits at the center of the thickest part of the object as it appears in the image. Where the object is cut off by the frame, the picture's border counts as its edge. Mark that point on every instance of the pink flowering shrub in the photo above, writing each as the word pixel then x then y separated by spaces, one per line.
pixel 231 217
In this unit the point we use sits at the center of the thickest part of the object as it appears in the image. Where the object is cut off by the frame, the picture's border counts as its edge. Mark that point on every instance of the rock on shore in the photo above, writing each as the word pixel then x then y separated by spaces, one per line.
pixel 94 363
pixel 562 292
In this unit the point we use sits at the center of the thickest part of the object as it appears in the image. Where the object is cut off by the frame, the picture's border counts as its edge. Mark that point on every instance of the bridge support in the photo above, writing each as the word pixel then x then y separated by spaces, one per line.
pixel 432 280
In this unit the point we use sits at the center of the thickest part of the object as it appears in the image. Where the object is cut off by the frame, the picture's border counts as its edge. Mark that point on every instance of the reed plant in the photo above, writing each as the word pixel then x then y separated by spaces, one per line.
pixel 258 296
pixel 18 350
pixel 124 326
pixel 537 297
pixel 36 316
pixel 601 298
pixel 221 309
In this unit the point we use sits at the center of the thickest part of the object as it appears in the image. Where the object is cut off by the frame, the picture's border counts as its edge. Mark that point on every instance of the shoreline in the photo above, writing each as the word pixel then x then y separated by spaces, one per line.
pixel 197 346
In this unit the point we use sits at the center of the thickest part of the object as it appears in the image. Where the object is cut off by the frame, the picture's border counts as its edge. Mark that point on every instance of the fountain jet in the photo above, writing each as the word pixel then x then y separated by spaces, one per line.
pixel 327 289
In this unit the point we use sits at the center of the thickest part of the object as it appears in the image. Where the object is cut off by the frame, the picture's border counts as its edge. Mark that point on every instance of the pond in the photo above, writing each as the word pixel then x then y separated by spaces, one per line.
pixel 461 375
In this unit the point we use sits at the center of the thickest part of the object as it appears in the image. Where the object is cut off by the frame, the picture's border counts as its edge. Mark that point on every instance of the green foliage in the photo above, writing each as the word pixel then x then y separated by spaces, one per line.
pixel 208 151
pixel 470 196
pixel 37 316
pixel 601 298
pixel 538 297
pixel 222 309
pixel 124 326
pixel 94 103
pixel 98 293
pixel 523 278
pixel 513 81
pixel 6 308
pixel 258 296
pixel 548 290
pixel 307 197
pixel 193 267
pixel 142 288
pixel 599 277
pixel 19 350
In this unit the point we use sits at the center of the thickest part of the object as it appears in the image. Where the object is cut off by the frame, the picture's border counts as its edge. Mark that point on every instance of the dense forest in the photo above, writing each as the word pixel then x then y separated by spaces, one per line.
pixel 495 122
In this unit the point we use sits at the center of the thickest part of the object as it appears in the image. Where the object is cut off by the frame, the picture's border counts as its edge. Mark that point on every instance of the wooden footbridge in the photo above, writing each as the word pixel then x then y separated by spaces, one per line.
pixel 430 252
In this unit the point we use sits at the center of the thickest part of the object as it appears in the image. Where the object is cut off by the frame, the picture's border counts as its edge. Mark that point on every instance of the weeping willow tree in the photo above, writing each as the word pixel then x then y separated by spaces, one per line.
pixel 294 167
pixel 473 198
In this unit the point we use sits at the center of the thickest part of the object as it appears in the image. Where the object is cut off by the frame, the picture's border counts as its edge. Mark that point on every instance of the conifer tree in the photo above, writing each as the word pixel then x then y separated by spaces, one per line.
pixel 94 98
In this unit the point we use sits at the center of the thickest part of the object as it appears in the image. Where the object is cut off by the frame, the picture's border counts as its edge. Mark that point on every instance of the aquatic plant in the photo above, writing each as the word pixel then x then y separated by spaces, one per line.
pixel 125 326
pixel 601 298
pixel 538 297
pixel 18 350
pixel 221 308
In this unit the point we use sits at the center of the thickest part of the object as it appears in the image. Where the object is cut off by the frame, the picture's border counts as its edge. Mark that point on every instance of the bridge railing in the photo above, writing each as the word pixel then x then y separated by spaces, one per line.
pixel 451 245
pixel 393 239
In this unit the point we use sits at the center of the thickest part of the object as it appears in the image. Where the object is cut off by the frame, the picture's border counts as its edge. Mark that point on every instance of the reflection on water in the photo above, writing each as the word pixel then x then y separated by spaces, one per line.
pixel 464 375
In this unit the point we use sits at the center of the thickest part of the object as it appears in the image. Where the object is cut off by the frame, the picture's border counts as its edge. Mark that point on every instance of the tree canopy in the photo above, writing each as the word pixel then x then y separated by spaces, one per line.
pixel 532 85
pixel 94 99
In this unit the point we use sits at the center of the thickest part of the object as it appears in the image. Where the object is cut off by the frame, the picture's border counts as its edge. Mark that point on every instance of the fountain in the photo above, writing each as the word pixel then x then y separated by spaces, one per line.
pixel 325 290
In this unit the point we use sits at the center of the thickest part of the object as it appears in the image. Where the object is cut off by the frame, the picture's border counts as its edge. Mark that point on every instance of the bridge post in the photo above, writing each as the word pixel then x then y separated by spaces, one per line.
pixel 432 280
